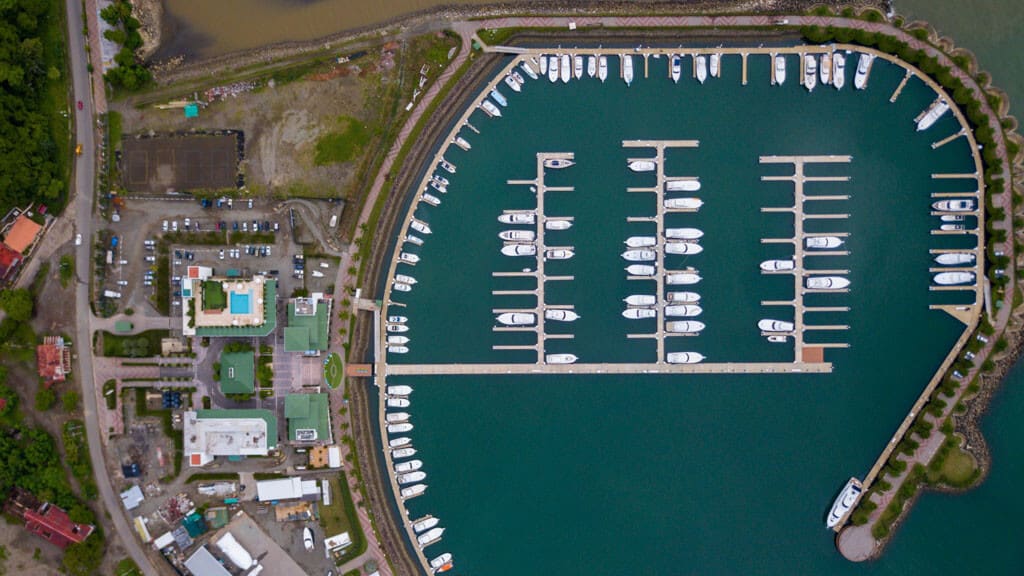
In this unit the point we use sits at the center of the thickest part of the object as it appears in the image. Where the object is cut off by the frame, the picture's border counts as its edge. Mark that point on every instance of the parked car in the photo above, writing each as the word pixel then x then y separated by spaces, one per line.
pixel 221 254
pixel 78 239
pixel 165 225
pixel 250 203
pixel 174 226
pixel 150 258
pixel 122 282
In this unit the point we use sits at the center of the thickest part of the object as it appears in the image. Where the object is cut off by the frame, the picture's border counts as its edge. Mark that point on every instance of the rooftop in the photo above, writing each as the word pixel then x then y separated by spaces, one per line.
pixel 53 359
pixel 210 433
pixel 9 260
pixel 308 417
pixel 237 372
pixel 259 320
pixel 308 325
pixel 53 523
pixel 22 234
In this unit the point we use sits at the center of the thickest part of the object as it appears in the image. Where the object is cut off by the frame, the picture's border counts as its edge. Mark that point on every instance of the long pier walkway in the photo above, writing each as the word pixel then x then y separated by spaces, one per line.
pixel 624 368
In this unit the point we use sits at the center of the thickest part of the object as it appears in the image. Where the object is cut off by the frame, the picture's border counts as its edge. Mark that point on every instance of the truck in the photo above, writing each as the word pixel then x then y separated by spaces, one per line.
pixel 110 256
pixel 111 294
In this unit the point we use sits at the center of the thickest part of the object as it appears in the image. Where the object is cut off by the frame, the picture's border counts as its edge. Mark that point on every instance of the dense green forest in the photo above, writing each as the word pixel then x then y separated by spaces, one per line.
pixel 129 74
pixel 34 145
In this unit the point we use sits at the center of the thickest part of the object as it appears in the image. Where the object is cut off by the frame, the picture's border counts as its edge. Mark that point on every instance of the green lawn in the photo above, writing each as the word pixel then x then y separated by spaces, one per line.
pixel 959 468
pixel 133 346
pixel 214 297
pixel 333 517
pixel 333 370
pixel 126 567
pixel 336 147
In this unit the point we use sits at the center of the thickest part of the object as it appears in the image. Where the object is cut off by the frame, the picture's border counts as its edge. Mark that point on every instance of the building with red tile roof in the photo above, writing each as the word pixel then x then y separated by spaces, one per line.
pixel 22 234
pixel 9 262
pixel 53 360
pixel 46 520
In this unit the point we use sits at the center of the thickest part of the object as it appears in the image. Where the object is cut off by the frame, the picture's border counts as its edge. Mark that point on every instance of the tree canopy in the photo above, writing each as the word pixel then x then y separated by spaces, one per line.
pixel 129 74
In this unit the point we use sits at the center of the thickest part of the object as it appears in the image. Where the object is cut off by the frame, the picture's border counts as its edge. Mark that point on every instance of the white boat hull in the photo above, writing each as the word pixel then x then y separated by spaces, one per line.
pixel 682 297
pixel 684 358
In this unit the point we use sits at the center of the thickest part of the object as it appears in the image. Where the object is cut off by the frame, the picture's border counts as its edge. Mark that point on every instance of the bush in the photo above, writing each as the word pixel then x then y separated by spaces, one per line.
pixel 45 399
pixel 70 401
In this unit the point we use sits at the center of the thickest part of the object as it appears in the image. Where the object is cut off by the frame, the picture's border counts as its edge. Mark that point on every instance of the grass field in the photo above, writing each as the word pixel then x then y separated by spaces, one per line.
pixel 336 147
pixel 143 344
pixel 126 567
pixel 333 370
pixel 333 517
pixel 214 297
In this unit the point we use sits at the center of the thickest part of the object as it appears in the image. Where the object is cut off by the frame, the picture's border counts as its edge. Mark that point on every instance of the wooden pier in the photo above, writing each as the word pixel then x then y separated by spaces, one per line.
pixel 624 368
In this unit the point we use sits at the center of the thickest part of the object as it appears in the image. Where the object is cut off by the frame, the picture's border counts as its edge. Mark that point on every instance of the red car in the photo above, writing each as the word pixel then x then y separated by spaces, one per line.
pixel 79 104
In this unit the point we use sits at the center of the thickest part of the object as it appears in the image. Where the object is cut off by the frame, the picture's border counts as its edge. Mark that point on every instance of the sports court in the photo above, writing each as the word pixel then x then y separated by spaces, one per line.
pixel 180 163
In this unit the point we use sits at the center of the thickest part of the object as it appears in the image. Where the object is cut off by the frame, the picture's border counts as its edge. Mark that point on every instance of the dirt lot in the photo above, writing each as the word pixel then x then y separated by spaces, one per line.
pixel 21 547
pixel 171 163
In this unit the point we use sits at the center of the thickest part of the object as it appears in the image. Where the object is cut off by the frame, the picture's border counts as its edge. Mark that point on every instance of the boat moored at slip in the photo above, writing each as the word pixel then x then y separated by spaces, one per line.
pixel 602 68
pixel 627 69
pixel 641 241
pixel 558 254
pixel 403 453
pixel 447 166
pixel 935 111
pixel 860 80
pixel 677 67
pixel 399 390
pixel 405 278
pixel 827 283
pixel 396 417
pixel 431 199
pixel 542 65
pixel 640 255
pixel 517 235
pixel 397 402
pixel 499 98
pixel 823 242
pixel 683 311
pixel 591 65
pixel 398 340
pixel 429 537
pixel 780 69
pixel 518 218
pixel 702 68
pixel 686 248
pixel 777 265
pixel 408 257
pixel 838 70
pixel 683 233
pixel 577 67
pixel 810 72
pixel 413 491
pixel 519 250
pixel 409 466
pixel 684 357
pixel 528 69
pixel 769 325
pixel 565 68
pixel 398 320
pixel 682 185
pixel 439 185
pixel 558 163
pixel 713 64
pixel 462 143
pixel 640 300
pixel 684 326
pixel 402 286
pixel 420 227
pixel 957 205
pixel 513 83
pixel 414 240
pixel 682 297
pixel 845 502
pixel 682 278
pixel 425 524
pixel 442 563
pixel 398 349
pixel 517 318
pixel 642 165
pixel 411 477
pixel 559 315
pixel 954 278
pixel 639 313
pixel 553 69
pixel 399 428
pixel 560 358
pixel 397 328
pixel 955 258
pixel 399 442
pixel 825 69
pixel 557 224
pixel 684 203
pixel 641 270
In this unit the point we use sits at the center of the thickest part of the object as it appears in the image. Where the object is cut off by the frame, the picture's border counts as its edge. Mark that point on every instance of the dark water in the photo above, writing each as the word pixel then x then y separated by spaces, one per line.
pixel 681 474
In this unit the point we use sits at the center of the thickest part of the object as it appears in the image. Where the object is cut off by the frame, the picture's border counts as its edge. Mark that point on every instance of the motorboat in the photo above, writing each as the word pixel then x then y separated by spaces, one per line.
pixel 825 69
pixel 411 477
pixel 557 224
pixel 413 491
pixel 642 165
pixel 827 283
pixel 430 536
pixel 399 390
pixel 565 68
pixel 559 315
pixel 398 339
pixel 769 325
pixel 683 233
pixel 519 250
pixel 640 300
pixel 397 328
pixel 398 319
pixel 558 163
pixel 517 318
pixel 440 186
pixel 951 218
pixel 955 258
pixel 602 68
pixel 307 538
pixel 558 254
pixel 639 313
pixel 543 64
pixel 397 402
pixel 409 466
pixel 641 241
pixel 396 417
pixel 823 242
pixel 512 82
pixel 713 64
pixel 810 72
pixel 954 278
pixel 780 69
pixel 440 179
pixel 684 357
pixel 641 270
pixel 420 227
pixel 682 297
pixel 684 326
pixel 560 358
pixel 518 218
pixel 398 349
pixel 627 69
pixel 777 338
pixel 402 286
pixel 414 239
pixel 640 255
pixel 577 67
pixel 591 65
pixel 860 80
pixel 682 278
pixel 399 442
pixel 405 278
pixel 462 143
pixel 553 69
pixel 702 68
pixel 958 205
pixel 442 563
pixel 684 311
pixel 682 185
pixel 431 199
pixel 499 98
pixel 447 166
pixel 403 452
pixel 425 524
pixel 951 227
pixel 408 257
pixel 777 265
pixel 845 502
pixel 517 235
pixel 677 67
pixel 838 70
pixel 684 203
pixel 528 69
pixel 399 428
pixel 688 248
pixel 935 111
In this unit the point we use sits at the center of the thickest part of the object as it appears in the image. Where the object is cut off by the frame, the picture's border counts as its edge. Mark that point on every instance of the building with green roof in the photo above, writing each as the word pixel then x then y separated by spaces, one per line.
pixel 237 372
pixel 309 418
pixel 308 329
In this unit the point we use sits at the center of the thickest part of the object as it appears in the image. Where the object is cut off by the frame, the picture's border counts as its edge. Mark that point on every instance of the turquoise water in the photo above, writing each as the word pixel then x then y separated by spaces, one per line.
pixel 240 302
pixel 675 474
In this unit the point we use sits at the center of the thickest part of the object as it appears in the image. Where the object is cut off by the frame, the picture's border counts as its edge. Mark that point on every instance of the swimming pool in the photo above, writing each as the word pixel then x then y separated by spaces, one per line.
pixel 240 302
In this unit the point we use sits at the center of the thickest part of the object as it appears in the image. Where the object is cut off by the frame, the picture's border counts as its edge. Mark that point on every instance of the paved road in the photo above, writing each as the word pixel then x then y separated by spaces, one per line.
pixel 85 177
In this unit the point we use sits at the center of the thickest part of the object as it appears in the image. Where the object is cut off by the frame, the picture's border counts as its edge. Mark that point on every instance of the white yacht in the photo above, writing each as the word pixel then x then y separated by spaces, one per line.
pixel 499 98
pixel 688 248
pixel 414 239
pixel 543 65
pixel 397 402
pixel 560 358
pixel 838 70
pixel 431 199
pixel 780 69
pixel 517 318
pixel 684 357
pixel 398 339
pixel 512 82
pixel 462 143
pixel 860 81
pixel 558 163
pixel 769 325
pixel 810 72
pixel 641 270
pixel 405 278
pixel 954 278
pixel 627 69
pixel 952 218
pixel 399 442
pixel 684 203
pixel 403 452
pixel 409 466
pixel 935 111
pixel 440 179
pixel 684 310
pixel 577 67
pixel 430 536
pixel 396 417
pixel 825 70
pixel 591 65
pixel 411 477
pixel 519 250
pixel 557 224
pixel 559 315
pixel 442 563
pixel 957 205
pixel 397 328
pixel 777 265
pixel 684 326
pixel 402 286
pixel 702 69
pixel 677 67
pixel 553 68
pixel 845 502
pixel 440 186
pixel 639 313
pixel 602 67
pixel 827 283
pixel 518 218
pixel 952 227
pixel 682 297
pixel 682 185
pixel 642 165
pixel 398 349
pixel 425 524
pixel 823 242
pixel 398 319
pixel 565 69
pixel 399 428
pixel 715 60
pixel 528 69
pixel 641 300
pixel 517 235
pixel 408 257
pixel 683 233
pixel 420 227
pixel 558 254
pixel 400 390
pixel 641 241
pixel 640 255
pixel 447 166
pixel 955 258
pixel 682 278
pixel 413 491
